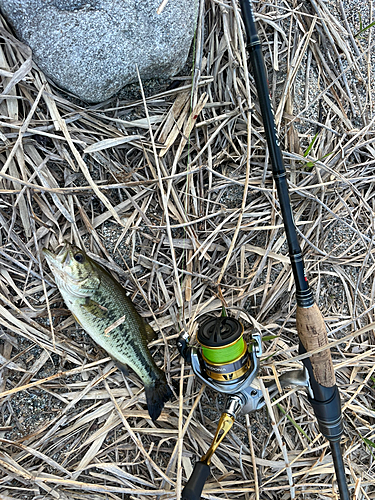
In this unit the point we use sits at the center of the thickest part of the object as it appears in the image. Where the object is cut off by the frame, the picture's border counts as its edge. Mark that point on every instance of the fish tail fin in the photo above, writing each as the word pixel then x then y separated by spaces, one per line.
pixel 157 394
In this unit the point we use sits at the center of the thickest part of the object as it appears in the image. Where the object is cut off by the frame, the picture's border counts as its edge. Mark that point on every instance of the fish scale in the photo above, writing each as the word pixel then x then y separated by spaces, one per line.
pixel 97 301
pixel 118 341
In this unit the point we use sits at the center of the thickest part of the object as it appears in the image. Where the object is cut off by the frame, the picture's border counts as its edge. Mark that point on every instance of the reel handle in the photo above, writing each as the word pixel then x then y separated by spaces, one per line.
pixel 194 487
pixel 201 471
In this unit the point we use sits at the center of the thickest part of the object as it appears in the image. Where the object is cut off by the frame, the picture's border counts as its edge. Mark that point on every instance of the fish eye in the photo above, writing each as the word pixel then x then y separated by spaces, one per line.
pixel 79 258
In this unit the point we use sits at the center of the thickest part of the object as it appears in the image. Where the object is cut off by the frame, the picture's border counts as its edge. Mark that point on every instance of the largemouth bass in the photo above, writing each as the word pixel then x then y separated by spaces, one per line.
pixel 99 304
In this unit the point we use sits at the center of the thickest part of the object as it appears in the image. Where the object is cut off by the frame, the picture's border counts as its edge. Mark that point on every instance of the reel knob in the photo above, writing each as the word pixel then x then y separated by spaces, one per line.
pixel 194 487
pixel 224 351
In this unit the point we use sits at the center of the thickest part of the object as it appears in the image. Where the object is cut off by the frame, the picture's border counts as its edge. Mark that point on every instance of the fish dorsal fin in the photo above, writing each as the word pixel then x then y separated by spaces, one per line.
pixel 150 333
pixel 92 307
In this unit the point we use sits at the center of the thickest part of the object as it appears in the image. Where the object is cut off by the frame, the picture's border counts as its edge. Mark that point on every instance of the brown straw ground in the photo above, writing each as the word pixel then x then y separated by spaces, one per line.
pixel 172 191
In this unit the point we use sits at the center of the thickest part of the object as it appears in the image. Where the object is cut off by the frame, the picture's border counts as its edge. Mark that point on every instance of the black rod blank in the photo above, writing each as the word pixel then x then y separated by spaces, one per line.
pixel 304 295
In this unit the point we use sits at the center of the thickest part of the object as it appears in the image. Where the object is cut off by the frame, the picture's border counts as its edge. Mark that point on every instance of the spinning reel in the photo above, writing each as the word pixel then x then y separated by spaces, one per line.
pixel 228 365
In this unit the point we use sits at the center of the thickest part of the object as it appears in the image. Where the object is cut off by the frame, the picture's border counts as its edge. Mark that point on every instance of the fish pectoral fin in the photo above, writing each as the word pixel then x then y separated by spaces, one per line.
pixel 122 367
pixel 77 320
pixel 150 333
pixel 92 307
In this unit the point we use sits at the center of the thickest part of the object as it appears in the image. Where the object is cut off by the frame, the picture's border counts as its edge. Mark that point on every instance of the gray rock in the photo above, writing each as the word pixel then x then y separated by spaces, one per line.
pixel 91 47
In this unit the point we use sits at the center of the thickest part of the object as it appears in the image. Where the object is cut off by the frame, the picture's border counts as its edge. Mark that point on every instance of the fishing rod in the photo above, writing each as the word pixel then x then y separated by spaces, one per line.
pixel 325 397
pixel 225 364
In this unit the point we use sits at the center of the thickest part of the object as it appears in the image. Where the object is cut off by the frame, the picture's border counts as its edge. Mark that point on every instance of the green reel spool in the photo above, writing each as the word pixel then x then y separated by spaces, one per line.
pixel 224 350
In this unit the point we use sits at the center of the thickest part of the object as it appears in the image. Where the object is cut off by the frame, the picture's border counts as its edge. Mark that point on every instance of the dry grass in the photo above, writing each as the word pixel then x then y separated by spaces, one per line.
pixel 160 189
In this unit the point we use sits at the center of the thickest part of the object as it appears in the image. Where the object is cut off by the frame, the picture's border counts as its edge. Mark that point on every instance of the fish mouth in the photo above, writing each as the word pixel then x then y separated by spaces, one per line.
pixel 60 258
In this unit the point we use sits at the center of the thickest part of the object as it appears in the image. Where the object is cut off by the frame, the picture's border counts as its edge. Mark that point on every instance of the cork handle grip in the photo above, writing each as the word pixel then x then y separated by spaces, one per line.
pixel 312 333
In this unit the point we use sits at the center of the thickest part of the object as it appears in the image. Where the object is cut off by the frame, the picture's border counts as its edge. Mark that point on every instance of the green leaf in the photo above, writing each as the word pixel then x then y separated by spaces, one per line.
pixel 271 356
pixel 293 422
pixel 326 156
pixel 361 29
pixel 309 165
pixel 369 442
pixel 310 145
pixel 269 337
